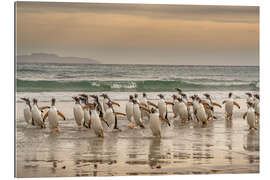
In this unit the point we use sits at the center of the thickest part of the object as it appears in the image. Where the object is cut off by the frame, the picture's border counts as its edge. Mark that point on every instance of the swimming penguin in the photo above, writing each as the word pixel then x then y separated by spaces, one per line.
pixel 137 114
pixel 37 114
pixel 52 115
pixel 181 109
pixel 154 121
pixel 86 111
pixel 129 110
pixel 250 114
pixel 78 112
pixel 27 111
pixel 229 106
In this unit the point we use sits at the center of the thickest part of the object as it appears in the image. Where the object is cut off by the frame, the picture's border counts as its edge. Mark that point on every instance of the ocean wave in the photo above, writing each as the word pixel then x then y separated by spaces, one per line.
pixel 138 86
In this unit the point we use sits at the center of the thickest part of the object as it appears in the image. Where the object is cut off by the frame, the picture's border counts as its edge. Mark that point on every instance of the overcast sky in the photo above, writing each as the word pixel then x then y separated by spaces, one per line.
pixel 141 34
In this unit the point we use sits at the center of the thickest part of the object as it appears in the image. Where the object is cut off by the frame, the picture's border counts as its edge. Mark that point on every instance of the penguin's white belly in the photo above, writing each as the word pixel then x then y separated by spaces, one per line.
pixel 105 105
pixel 96 124
pixel 229 107
pixel 137 115
pixel 162 109
pixel 129 111
pixel 182 109
pixel 36 114
pixel 27 114
pixel 109 116
pixel 78 114
pixel 53 118
pixel 86 115
pixel 251 118
pixel 155 124
pixel 201 114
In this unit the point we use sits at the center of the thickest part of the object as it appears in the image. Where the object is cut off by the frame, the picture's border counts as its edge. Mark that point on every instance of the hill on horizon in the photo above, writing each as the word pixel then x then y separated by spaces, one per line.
pixel 54 58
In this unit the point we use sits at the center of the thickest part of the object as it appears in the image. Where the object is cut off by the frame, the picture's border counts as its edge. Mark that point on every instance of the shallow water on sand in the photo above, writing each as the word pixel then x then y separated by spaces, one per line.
pixel 221 147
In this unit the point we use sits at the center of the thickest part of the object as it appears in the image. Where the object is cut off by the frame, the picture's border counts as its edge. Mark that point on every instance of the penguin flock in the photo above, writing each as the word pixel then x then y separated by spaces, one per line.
pixel 90 111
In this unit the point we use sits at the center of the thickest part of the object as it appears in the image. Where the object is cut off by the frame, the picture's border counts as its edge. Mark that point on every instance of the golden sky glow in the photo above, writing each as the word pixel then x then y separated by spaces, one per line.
pixel 122 33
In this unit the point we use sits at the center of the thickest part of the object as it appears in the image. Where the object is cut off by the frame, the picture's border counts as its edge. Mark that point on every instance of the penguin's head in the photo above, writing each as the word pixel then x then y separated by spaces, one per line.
pixel 256 96
pixel 83 95
pixel 174 97
pixel 230 95
pixel 27 101
pixel 207 95
pixel 136 95
pixel 77 100
pixel 135 101
pixel 53 101
pixel 248 94
pixel 153 110
pixel 109 104
pixel 179 99
pixel 34 100
pixel 178 90
pixel 161 96
pixel 192 97
pixel 104 96
pixel 83 99
pixel 144 95
pixel 184 96
pixel 250 104
pixel 130 97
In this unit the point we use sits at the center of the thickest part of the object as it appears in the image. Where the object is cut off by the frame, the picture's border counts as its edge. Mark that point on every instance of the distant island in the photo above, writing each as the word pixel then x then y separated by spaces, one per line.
pixel 53 58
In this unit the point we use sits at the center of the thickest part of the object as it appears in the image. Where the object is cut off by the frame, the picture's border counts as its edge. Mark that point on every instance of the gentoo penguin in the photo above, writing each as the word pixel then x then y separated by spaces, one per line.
pixel 249 98
pixel 52 115
pixel 110 115
pixel 95 120
pixel 37 114
pixel 257 106
pixel 136 97
pixel 210 112
pixel 106 99
pixel 137 114
pixel 185 100
pixel 86 111
pixel 27 111
pixel 199 111
pixel 162 107
pixel 78 112
pixel 174 106
pixel 250 114
pixel 181 109
pixel 129 110
pixel 144 103
pixel 98 106
pixel 195 106
pixel 229 106
pixel 154 121
pixel 179 91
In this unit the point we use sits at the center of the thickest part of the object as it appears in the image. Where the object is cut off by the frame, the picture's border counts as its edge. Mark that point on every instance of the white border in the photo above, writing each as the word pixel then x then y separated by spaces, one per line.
pixel 7 85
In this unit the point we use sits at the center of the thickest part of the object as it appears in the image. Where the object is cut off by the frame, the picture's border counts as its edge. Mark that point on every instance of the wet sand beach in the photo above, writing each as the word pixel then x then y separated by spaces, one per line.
pixel 221 147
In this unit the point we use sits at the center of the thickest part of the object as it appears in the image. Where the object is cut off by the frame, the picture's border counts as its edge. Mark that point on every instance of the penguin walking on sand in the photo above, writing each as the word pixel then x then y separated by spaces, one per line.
pixel 144 102
pixel 210 112
pixel 181 110
pixel 86 111
pixel 27 111
pixel 129 110
pixel 78 112
pixel 229 106
pixel 154 121
pixel 137 114
pixel 52 115
pixel 37 114
pixel 257 107
pixel 250 115
pixel 110 116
